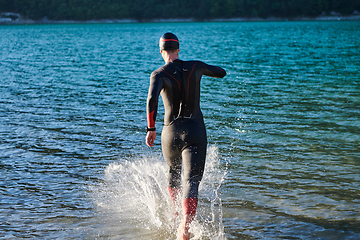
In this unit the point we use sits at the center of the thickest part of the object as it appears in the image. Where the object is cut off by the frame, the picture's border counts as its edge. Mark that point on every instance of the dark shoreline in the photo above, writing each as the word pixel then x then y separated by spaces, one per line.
pixel 23 21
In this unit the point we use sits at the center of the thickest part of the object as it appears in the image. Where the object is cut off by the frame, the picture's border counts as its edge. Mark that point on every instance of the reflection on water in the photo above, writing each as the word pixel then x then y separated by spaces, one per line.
pixel 283 130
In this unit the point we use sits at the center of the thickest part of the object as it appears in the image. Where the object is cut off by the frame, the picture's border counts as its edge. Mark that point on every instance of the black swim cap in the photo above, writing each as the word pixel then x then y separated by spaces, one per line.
pixel 169 41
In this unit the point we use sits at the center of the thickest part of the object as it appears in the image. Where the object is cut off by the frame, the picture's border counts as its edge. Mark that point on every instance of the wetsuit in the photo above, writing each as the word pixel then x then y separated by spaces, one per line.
pixel 183 137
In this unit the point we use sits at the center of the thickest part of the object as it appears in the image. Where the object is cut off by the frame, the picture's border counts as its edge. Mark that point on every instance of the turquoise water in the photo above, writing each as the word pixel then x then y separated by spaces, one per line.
pixel 283 131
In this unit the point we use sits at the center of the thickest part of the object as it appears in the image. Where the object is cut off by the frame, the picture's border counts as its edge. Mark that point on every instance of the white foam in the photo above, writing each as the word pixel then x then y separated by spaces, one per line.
pixel 134 194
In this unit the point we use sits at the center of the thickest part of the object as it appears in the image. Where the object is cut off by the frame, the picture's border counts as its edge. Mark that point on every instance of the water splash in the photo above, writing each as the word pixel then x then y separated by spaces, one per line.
pixel 134 195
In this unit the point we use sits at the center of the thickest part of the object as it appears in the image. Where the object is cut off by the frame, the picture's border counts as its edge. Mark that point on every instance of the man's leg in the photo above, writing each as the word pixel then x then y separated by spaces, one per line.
pixel 174 182
pixel 173 159
pixel 194 163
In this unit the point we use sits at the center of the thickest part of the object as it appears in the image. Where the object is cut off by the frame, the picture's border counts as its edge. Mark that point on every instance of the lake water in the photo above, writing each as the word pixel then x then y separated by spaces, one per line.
pixel 283 130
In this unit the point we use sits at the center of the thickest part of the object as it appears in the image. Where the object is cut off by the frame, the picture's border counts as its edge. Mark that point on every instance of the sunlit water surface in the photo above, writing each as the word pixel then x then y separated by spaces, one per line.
pixel 283 131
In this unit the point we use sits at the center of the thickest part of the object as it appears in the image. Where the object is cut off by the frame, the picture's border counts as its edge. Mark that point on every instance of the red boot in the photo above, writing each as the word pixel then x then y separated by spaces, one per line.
pixel 189 206
pixel 175 195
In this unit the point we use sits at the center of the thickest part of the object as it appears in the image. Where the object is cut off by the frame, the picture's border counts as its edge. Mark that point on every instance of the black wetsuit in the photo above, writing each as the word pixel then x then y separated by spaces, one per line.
pixel 183 137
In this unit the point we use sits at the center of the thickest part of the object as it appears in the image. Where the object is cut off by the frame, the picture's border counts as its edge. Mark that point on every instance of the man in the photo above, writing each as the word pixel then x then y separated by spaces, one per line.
pixel 183 136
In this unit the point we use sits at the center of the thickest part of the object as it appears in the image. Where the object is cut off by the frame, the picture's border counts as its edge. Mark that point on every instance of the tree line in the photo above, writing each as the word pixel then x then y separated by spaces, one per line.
pixel 163 9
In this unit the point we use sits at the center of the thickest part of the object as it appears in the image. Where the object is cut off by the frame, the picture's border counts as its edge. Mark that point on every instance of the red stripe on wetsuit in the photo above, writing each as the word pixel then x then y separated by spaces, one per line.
pixel 174 79
pixel 150 119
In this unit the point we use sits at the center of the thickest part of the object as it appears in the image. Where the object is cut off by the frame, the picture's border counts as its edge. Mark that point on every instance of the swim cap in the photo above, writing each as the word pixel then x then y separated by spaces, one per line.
pixel 169 41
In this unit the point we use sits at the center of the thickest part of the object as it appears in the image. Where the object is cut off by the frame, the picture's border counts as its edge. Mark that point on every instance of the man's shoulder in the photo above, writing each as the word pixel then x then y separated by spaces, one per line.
pixel 157 71
pixel 193 61
pixel 196 63
pixel 161 70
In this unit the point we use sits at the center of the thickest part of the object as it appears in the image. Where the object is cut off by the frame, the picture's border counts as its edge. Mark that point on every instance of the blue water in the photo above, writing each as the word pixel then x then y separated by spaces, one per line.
pixel 283 131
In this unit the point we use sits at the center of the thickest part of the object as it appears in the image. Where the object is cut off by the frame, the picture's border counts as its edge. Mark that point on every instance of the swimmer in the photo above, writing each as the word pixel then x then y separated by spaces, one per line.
pixel 183 137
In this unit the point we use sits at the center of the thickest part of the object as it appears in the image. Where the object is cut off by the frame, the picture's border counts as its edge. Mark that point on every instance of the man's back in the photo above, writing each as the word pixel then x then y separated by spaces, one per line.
pixel 179 85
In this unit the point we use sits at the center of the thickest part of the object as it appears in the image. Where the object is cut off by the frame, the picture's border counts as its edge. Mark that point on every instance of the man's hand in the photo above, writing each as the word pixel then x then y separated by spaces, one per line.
pixel 150 138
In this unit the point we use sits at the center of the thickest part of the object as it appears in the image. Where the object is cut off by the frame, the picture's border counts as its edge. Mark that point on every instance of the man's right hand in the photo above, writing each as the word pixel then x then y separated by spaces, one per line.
pixel 150 138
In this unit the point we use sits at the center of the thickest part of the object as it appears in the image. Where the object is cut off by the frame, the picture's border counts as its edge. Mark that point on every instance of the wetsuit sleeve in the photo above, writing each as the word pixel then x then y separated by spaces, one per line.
pixel 153 98
pixel 213 71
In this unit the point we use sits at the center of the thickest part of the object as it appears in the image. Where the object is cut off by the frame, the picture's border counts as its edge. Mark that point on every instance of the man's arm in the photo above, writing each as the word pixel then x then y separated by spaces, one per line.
pixel 151 107
pixel 213 71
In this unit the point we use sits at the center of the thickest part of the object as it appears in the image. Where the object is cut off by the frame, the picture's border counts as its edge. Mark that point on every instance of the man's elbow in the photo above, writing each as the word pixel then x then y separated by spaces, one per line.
pixel 222 73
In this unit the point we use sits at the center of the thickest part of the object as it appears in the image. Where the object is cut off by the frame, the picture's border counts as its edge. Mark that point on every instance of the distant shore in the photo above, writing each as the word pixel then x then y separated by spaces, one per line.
pixel 17 19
